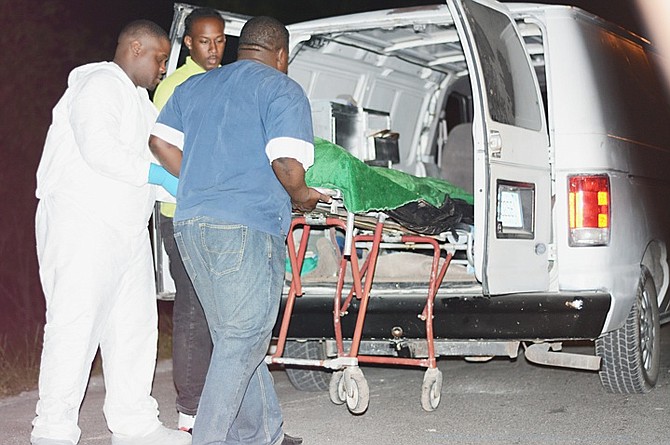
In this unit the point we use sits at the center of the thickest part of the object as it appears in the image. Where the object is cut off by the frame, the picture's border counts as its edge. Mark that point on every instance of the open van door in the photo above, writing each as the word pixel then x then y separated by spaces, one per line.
pixel 512 172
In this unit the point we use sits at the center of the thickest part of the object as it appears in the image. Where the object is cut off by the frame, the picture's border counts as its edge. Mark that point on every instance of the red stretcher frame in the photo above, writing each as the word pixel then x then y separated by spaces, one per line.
pixel 349 385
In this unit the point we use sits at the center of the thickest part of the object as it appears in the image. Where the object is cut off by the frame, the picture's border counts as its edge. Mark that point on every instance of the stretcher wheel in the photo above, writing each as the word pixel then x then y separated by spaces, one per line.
pixel 357 390
pixel 336 388
pixel 431 389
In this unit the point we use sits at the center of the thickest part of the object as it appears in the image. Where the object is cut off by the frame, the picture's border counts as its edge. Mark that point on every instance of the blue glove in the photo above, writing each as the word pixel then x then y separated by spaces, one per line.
pixel 159 176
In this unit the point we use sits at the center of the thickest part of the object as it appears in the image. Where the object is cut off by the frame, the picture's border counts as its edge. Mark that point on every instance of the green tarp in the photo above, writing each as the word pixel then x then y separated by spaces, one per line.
pixel 366 188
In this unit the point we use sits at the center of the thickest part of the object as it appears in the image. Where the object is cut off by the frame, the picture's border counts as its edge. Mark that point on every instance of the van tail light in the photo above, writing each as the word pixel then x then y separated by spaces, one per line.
pixel 589 210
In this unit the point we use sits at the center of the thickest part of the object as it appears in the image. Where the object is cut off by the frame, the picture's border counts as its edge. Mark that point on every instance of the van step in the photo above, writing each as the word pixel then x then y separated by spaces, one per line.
pixel 539 353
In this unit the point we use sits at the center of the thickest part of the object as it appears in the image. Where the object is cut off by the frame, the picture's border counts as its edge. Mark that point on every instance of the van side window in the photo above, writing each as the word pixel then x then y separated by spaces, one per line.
pixel 458 109
pixel 510 88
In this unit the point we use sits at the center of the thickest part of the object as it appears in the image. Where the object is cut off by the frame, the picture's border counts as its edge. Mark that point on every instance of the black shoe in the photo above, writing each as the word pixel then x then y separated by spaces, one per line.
pixel 288 440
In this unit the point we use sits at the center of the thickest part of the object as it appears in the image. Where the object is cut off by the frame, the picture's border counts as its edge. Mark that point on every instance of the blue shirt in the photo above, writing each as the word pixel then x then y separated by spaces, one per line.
pixel 228 116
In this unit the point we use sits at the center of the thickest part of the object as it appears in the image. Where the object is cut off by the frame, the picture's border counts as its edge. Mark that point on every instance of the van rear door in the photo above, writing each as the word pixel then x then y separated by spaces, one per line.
pixel 512 172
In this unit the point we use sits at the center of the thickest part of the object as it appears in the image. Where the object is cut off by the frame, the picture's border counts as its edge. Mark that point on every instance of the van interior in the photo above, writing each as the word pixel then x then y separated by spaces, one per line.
pixel 417 75
pixel 394 76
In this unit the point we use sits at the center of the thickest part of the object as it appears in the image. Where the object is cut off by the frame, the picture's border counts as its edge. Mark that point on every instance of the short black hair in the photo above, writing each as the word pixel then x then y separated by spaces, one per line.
pixel 265 32
pixel 141 28
pixel 200 13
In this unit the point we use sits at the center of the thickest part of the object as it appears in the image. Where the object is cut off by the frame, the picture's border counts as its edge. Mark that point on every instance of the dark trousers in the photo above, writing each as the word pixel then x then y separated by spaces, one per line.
pixel 191 341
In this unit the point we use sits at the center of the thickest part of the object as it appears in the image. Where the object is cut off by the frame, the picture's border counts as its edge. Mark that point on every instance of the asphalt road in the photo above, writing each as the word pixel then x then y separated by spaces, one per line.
pixel 500 402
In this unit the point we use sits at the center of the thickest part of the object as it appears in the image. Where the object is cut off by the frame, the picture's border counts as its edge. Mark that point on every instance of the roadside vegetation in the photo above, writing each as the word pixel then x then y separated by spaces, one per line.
pixel 20 357
pixel 19 363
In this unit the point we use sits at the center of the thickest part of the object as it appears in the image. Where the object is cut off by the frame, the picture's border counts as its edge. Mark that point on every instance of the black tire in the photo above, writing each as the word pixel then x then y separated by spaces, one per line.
pixel 631 354
pixel 307 379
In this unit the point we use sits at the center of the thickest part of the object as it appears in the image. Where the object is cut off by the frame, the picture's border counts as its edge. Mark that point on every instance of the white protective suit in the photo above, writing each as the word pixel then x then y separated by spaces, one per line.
pixel 95 254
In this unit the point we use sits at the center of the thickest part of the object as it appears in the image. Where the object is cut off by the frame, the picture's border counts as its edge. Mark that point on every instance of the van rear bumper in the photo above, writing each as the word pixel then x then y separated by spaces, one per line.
pixel 530 316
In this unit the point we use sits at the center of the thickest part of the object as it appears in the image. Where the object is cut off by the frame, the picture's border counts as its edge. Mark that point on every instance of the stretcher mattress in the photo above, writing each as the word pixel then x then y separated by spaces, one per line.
pixel 423 204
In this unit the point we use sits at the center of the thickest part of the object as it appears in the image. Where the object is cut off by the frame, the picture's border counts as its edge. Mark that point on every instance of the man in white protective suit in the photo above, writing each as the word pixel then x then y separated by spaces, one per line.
pixel 94 183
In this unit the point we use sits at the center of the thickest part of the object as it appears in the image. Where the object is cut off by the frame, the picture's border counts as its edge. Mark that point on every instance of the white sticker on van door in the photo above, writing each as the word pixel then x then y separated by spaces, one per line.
pixel 510 210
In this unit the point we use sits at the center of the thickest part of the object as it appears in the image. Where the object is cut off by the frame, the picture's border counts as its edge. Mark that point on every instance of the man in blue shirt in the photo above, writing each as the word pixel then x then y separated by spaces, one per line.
pixel 246 133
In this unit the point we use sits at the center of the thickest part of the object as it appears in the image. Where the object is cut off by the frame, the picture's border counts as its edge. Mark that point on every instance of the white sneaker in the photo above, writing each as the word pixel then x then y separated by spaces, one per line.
pixel 160 436
pixel 185 422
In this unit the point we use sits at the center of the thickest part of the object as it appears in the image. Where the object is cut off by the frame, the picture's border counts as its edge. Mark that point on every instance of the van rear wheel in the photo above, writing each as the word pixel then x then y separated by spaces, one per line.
pixel 631 354
pixel 307 379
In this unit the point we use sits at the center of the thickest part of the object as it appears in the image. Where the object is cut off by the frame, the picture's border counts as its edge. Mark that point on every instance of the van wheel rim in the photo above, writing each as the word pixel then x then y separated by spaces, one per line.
pixel 647 331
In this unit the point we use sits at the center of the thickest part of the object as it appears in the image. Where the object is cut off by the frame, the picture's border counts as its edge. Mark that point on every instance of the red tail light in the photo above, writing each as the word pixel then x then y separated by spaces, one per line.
pixel 589 210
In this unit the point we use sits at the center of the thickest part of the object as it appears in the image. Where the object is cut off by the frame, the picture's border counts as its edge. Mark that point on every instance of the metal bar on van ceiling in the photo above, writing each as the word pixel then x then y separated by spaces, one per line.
pixel 447 59
pixel 450 36
pixel 534 48
pixel 529 29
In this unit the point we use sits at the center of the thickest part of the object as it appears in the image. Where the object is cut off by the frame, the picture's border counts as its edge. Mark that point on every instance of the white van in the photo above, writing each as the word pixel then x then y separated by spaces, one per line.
pixel 557 124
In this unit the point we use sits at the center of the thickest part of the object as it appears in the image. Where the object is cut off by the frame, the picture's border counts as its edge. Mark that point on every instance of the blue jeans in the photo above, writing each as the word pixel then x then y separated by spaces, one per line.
pixel 238 274
pixel 191 343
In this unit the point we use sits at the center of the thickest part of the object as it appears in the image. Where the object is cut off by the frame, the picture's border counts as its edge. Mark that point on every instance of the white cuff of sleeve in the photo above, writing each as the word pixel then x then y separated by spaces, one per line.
pixel 169 135
pixel 285 147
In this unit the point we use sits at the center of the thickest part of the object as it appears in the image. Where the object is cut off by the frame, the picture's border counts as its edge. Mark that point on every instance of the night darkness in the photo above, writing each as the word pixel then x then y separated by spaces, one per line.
pixel 42 41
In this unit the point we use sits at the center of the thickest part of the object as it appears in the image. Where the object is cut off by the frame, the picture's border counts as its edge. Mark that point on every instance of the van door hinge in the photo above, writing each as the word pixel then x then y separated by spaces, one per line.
pixel 551 252
pixel 495 143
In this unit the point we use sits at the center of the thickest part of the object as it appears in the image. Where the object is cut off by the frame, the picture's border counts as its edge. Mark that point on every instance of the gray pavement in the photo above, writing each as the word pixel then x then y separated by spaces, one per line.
pixel 500 402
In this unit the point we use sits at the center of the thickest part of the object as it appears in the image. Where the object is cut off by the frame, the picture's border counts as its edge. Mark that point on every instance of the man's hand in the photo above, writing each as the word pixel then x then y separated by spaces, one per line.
pixel 159 176
pixel 291 174
pixel 311 198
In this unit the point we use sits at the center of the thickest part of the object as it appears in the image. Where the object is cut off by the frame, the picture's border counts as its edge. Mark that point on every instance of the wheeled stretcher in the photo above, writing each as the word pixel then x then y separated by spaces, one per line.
pixel 368 234
pixel 371 233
